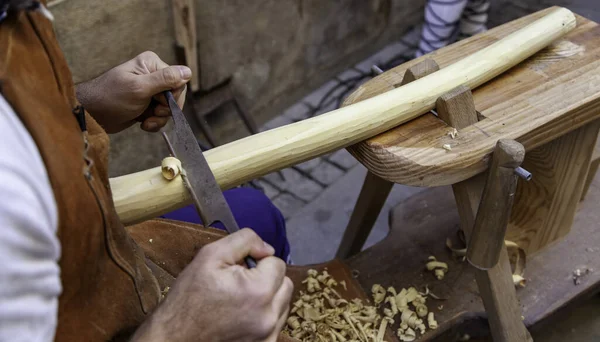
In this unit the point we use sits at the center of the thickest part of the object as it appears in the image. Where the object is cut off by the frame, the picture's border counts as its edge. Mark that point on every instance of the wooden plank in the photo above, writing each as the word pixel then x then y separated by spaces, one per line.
pixel 554 92
pixel 375 190
pixel 545 206
pixel 137 196
pixel 99 35
pixel 184 21
pixel 487 238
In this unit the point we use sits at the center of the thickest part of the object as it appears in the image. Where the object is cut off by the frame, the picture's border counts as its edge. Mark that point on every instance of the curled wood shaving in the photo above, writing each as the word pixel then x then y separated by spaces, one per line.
pixel 517 259
pixel 378 293
pixel 170 168
pixel 453 133
pixel 407 335
pixel 439 268
pixel 456 252
pixel 343 283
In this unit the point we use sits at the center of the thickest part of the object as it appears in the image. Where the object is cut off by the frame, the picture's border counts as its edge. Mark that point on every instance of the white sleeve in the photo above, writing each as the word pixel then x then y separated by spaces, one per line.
pixel 29 248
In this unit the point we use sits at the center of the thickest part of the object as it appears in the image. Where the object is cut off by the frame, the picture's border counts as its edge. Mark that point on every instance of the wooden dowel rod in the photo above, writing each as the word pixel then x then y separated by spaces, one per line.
pixel 146 194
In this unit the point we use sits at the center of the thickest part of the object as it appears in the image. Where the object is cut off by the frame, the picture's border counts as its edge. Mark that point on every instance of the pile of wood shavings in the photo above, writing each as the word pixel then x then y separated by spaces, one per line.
pixel 321 314
pixel 410 305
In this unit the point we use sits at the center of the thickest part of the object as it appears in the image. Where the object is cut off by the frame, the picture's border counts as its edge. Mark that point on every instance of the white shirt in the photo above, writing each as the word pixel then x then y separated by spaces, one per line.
pixel 29 248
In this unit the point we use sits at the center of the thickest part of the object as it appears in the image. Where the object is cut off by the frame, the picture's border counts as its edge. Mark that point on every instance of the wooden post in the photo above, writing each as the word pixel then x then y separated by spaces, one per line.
pixel 495 285
pixel 184 20
pixel 375 190
pixel 487 238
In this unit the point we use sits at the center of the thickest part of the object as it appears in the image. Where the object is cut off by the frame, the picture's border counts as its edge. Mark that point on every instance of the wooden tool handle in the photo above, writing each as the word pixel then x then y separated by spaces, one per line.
pixel 146 194
pixel 487 237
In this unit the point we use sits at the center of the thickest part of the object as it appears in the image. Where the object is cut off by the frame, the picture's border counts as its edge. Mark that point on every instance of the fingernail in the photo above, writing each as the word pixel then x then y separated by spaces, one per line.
pixel 269 248
pixel 163 112
pixel 186 73
pixel 151 125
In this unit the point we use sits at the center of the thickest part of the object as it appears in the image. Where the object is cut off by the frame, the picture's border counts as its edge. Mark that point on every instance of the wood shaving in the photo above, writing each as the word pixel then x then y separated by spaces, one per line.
pixel 378 293
pixel 407 335
pixel 321 314
pixel 439 268
pixel 170 168
pixel 447 147
pixel 453 133
pixel 431 322
pixel 580 273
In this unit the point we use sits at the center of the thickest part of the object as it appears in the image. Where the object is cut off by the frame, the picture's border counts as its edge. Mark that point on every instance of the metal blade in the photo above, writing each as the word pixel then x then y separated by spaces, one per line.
pixel 203 187
pixel 197 175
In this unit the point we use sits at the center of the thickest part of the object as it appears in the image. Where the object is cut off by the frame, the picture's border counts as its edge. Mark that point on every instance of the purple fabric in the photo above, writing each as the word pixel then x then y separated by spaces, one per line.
pixel 251 209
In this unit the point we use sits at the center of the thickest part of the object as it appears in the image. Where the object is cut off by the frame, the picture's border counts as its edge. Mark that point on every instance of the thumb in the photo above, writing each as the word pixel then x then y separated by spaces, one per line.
pixel 171 77
pixel 233 248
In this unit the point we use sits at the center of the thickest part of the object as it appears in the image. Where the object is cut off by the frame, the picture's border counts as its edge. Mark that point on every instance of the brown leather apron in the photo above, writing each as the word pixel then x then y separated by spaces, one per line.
pixel 108 282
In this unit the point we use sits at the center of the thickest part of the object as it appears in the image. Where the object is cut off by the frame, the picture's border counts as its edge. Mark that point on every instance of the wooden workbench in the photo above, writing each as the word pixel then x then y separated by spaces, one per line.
pixel 551 104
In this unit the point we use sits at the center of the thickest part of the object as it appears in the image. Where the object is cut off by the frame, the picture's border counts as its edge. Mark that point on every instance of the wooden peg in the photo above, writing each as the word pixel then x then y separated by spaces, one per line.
pixel 457 108
pixel 487 238
pixel 419 70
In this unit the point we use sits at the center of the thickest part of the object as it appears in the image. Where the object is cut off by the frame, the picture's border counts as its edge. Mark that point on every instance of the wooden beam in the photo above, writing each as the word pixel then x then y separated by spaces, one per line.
pixel 140 196
pixel 184 20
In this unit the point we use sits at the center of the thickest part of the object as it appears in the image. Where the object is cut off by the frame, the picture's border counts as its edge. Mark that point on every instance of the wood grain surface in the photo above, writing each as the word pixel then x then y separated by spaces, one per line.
pixel 544 207
pixel 554 92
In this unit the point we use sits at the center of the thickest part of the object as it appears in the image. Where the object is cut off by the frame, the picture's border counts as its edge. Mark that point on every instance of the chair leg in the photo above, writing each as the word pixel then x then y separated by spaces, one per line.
pixel 373 194
pixel 495 285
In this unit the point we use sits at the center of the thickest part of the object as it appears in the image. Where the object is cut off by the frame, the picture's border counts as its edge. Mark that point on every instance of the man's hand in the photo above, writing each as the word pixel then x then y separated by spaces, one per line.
pixel 217 299
pixel 116 98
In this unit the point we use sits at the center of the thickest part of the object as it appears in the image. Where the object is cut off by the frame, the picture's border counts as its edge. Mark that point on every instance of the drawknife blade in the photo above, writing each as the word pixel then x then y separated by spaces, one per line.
pixel 197 175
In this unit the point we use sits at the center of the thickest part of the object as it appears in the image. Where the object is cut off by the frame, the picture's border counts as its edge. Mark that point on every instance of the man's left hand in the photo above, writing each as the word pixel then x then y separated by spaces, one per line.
pixel 134 89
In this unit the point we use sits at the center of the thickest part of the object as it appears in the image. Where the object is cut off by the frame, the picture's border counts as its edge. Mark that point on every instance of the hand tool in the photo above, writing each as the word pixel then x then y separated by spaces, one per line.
pixel 197 175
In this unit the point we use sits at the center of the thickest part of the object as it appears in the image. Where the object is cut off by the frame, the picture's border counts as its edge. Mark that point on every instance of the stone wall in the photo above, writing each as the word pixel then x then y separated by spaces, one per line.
pixel 272 51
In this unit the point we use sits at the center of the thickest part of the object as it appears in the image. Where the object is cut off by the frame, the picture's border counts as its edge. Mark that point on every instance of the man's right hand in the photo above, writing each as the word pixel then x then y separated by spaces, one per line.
pixel 215 298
